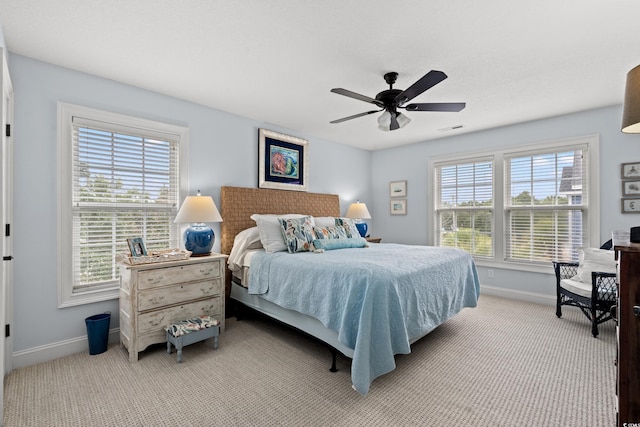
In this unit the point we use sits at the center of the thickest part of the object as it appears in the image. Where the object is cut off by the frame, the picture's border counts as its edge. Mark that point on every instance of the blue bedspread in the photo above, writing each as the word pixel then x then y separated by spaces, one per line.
pixel 377 299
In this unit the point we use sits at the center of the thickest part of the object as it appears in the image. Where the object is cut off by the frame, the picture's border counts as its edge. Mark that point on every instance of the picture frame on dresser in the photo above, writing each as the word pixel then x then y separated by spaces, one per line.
pixel 136 247
pixel 282 161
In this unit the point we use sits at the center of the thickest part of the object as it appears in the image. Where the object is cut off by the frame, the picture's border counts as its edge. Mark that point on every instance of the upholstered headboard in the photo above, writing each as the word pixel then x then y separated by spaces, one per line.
pixel 237 204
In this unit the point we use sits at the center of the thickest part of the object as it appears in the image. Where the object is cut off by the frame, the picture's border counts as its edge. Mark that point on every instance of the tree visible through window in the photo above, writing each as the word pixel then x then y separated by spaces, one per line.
pixel 124 187
pixel 535 211
pixel 119 177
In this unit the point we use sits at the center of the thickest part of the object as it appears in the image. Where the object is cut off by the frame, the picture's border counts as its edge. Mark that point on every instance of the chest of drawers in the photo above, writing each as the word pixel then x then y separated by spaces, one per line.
pixel 628 359
pixel 155 295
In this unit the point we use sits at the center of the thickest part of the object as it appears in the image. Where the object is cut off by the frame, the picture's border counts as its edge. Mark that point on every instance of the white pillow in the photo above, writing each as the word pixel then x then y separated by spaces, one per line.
pixel 270 232
pixel 244 240
pixel 592 259
pixel 324 221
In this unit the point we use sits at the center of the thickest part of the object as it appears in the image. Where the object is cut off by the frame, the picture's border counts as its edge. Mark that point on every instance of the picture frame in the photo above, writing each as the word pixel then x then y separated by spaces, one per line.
pixel 630 170
pixel 136 247
pixel 398 206
pixel 282 161
pixel 631 188
pixel 631 205
pixel 398 189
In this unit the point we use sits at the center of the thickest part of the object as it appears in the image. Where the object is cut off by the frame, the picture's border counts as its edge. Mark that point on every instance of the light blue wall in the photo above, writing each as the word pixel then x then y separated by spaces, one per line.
pixel 223 151
pixel 410 163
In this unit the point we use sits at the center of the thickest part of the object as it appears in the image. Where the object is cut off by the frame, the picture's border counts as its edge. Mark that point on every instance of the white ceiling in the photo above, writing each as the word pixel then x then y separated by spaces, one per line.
pixel 275 61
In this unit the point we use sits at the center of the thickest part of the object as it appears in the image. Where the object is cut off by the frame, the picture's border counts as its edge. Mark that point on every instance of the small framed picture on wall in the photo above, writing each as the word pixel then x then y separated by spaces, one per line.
pixel 631 188
pixel 631 170
pixel 631 205
pixel 398 207
pixel 398 189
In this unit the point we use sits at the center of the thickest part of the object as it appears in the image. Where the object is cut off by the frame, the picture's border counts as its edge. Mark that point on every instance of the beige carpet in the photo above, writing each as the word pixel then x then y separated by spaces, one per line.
pixel 505 363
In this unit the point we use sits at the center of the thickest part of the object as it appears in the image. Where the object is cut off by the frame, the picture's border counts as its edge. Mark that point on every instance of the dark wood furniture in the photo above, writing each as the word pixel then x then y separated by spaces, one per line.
pixel 596 305
pixel 628 315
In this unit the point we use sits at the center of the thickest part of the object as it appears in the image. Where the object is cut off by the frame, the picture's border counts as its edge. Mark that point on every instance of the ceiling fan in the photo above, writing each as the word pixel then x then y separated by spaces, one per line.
pixel 391 99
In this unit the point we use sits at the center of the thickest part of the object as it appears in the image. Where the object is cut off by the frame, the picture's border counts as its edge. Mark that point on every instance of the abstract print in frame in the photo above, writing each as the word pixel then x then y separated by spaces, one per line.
pixel 282 162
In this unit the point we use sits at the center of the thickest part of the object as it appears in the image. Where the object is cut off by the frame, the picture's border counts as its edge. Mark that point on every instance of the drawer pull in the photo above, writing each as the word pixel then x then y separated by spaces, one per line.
pixel 159 322
pixel 156 300
pixel 636 310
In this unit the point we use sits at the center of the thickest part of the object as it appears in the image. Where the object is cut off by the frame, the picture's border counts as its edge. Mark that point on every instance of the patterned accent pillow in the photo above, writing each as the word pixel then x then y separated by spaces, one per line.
pixel 333 232
pixel 298 234
pixel 349 225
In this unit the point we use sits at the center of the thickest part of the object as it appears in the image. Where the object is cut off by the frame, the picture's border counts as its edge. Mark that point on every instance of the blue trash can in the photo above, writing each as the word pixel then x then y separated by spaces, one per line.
pixel 98 332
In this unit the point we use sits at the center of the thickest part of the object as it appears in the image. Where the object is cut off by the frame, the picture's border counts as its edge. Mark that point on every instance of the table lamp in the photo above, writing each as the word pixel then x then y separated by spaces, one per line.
pixel 197 210
pixel 359 211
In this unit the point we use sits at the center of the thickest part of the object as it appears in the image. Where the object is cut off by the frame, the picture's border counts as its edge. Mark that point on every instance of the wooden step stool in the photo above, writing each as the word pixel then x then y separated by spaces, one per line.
pixel 191 331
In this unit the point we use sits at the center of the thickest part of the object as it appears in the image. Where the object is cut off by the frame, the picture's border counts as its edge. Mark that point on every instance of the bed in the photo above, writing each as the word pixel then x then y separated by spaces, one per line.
pixel 369 303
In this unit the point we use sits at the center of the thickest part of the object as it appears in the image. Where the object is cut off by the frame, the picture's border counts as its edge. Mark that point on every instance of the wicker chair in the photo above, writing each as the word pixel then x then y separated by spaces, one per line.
pixel 595 300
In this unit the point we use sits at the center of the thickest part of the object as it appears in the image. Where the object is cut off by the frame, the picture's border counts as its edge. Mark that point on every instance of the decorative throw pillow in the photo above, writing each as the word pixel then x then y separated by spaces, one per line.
pixel 330 244
pixel 331 232
pixel 349 225
pixel 298 234
pixel 324 221
pixel 592 259
pixel 270 233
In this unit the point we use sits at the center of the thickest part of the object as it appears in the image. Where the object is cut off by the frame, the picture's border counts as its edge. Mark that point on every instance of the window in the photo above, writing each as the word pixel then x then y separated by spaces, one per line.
pixel 465 205
pixel 519 206
pixel 119 177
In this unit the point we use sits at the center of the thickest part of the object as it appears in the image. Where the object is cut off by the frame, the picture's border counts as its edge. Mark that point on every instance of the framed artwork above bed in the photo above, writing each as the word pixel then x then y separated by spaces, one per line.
pixel 282 162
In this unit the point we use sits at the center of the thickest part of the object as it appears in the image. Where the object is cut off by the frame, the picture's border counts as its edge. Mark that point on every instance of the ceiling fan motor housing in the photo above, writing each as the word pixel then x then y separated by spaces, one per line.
pixel 388 98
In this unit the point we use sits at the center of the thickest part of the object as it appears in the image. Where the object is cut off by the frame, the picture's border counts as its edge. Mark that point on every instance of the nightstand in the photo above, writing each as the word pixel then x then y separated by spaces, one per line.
pixel 155 295
pixel 373 239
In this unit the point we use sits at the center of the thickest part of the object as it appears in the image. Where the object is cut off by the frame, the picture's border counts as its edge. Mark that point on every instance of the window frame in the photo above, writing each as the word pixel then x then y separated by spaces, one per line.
pixel 592 221
pixel 66 112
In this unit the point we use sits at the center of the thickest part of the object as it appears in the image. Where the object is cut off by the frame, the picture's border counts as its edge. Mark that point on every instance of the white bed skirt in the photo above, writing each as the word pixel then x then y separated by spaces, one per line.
pixel 308 324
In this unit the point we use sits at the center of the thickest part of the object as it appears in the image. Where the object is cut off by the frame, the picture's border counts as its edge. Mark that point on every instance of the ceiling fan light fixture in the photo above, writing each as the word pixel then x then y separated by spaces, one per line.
pixel 384 121
pixel 403 120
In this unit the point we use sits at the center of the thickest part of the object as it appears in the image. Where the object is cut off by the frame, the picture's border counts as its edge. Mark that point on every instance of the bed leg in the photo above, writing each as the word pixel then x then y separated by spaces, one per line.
pixel 334 354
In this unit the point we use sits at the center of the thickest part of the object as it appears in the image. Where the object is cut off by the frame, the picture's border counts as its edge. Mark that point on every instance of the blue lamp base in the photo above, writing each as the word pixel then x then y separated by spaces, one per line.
pixel 362 228
pixel 198 239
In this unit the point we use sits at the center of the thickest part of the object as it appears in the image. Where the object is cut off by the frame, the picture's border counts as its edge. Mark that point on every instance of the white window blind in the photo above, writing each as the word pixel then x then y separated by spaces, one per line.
pixel 465 205
pixel 118 177
pixel 125 184
pixel 546 205
pixel 519 207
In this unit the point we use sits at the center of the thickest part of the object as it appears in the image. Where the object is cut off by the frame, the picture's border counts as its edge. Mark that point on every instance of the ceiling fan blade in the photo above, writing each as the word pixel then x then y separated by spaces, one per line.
pixel 355 116
pixel 394 122
pixel 437 106
pixel 357 96
pixel 427 81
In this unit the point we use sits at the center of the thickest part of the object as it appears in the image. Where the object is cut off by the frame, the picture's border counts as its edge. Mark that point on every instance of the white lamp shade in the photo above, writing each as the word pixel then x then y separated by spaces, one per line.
pixel 198 209
pixel 358 210
pixel 631 110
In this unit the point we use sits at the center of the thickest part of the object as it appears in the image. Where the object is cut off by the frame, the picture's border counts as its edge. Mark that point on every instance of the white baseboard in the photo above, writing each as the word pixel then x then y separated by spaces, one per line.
pixel 518 295
pixel 44 353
